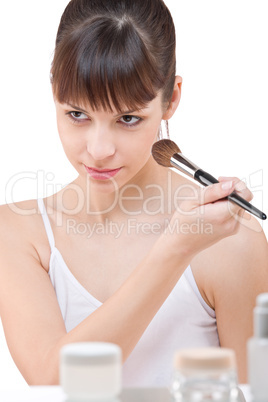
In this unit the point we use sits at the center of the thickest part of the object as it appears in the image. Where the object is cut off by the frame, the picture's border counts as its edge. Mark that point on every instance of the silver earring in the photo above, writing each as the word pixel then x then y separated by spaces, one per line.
pixel 167 128
pixel 164 131
pixel 160 133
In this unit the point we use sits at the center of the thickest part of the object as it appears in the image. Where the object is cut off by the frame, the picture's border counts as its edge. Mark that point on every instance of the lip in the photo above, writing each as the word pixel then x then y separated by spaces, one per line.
pixel 101 174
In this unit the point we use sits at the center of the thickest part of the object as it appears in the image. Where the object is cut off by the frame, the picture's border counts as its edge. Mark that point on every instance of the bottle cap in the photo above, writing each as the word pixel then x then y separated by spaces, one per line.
pixel 205 359
pixel 261 316
pixel 262 300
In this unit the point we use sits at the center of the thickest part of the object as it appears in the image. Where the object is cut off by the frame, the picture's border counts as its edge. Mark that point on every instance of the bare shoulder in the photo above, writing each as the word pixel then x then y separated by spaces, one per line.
pixel 245 261
pixel 19 227
pixel 17 218
pixel 233 264
pixel 245 253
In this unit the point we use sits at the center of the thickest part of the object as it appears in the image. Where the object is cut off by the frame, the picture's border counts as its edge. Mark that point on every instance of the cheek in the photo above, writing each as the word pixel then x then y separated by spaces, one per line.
pixel 137 149
pixel 62 130
pixel 61 126
pixel 69 139
pixel 147 139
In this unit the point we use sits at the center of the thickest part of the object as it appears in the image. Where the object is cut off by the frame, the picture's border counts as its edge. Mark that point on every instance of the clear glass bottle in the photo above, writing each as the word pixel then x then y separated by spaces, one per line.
pixel 258 351
pixel 205 374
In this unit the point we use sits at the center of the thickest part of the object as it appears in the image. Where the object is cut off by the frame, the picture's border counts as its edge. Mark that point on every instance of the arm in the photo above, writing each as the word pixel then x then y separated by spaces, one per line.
pixel 31 317
pixel 230 275
pixel 243 276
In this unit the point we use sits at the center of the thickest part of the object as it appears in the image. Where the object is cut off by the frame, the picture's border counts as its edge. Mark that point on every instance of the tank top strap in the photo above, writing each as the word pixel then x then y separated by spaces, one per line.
pixel 46 221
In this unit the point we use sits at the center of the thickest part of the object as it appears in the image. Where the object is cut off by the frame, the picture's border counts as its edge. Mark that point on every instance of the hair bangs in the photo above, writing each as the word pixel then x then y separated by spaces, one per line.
pixel 104 63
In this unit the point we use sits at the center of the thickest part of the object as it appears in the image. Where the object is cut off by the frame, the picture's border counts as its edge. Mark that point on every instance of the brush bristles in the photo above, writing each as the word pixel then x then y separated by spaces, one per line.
pixel 163 151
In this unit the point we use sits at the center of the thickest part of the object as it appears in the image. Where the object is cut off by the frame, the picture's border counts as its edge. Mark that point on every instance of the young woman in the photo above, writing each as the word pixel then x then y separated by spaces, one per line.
pixel 130 252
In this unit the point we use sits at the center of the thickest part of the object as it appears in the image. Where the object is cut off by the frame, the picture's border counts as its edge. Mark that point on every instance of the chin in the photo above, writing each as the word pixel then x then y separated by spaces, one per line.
pixel 104 186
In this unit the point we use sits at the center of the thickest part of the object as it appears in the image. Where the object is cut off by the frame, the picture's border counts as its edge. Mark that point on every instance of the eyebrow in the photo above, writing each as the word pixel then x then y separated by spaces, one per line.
pixel 120 114
pixel 76 107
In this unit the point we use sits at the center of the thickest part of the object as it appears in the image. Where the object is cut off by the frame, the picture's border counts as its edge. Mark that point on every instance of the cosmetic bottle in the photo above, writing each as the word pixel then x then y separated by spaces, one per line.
pixel 205 374
pixel 258 351
pixel 91 371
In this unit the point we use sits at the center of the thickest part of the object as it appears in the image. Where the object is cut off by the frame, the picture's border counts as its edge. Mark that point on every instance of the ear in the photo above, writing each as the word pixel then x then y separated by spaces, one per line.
pixel 175 100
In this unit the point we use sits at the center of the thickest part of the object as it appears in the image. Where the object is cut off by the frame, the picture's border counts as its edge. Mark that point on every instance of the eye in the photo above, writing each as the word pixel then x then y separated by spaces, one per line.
pixel 77 117
pixel 130 121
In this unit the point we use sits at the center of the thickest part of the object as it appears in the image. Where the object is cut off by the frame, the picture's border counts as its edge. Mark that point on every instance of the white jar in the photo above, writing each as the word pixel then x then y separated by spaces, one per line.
pixel 205 374
pixel 91 371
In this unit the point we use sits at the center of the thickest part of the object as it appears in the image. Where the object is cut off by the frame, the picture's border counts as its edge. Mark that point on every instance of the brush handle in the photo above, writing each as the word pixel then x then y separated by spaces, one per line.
pixel 206 179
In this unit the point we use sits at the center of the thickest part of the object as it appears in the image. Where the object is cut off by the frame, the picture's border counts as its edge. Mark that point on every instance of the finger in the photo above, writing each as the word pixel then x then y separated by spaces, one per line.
pixel 220 211
pixel 216 192
pixel 234 209
pixel 240 187
pixel 239 184
pixel 241 216
pixel 246 194
pixel 226 178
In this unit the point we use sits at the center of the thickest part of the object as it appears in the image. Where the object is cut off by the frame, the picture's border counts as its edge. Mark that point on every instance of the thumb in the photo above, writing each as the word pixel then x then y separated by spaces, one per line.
pixel 217 191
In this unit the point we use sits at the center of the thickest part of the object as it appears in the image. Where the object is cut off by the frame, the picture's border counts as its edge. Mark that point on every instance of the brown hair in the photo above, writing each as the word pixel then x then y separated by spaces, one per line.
pixel 114 53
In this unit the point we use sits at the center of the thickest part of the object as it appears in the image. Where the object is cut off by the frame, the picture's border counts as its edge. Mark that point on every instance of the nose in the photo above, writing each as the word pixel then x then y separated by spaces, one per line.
pixel 101 144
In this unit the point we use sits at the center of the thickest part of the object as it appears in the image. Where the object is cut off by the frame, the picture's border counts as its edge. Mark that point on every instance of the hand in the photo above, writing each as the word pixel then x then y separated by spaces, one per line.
pixel 208 217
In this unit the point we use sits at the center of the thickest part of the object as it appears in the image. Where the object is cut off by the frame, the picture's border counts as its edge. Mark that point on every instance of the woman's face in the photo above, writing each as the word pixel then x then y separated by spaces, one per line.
pixel 109 148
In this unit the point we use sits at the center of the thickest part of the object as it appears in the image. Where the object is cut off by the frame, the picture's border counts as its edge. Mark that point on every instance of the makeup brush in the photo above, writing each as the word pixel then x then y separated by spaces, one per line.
pixel 168 154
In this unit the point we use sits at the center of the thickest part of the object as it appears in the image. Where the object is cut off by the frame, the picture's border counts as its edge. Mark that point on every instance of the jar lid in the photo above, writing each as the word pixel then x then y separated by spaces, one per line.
pixel 90 353
pixel 205 358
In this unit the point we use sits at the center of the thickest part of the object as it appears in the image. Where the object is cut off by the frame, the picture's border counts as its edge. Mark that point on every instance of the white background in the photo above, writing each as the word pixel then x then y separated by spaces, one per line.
pixel 221 123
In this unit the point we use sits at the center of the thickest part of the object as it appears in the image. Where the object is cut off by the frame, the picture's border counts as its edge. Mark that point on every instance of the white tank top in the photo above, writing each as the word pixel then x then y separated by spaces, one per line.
pixel 184 320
